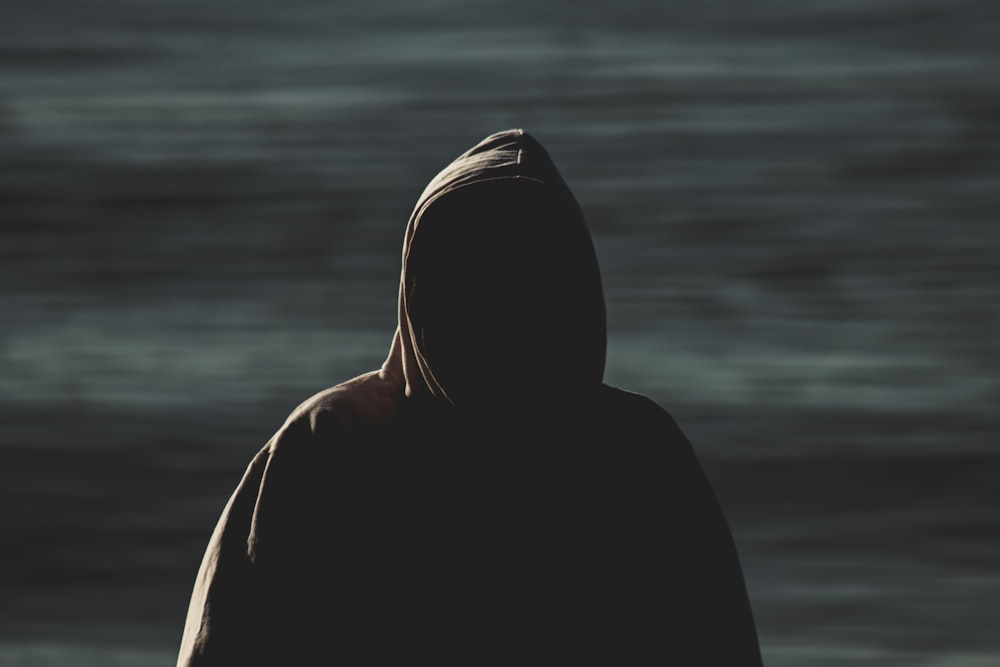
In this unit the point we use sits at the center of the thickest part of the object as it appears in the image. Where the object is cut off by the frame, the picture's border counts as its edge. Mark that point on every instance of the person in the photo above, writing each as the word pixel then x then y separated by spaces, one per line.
pixel 483 497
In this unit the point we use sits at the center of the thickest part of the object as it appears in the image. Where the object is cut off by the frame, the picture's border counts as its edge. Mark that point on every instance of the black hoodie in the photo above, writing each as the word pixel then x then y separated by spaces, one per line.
pixel 483 498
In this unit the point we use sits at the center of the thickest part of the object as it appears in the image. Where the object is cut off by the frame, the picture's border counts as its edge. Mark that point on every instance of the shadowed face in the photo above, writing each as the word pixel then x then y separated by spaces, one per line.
pixel 499 281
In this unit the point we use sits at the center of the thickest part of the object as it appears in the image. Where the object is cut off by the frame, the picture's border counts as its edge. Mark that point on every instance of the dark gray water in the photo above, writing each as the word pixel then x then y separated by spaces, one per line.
pixel 202 206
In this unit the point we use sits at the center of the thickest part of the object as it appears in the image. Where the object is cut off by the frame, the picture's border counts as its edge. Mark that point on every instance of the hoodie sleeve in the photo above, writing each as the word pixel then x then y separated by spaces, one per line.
pixel 711 622
pixel 718 626
pixel 239 606
pixel 671 583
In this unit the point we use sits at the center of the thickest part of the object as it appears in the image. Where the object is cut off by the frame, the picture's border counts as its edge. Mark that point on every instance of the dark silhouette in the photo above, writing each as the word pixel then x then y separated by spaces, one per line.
pixel 483 498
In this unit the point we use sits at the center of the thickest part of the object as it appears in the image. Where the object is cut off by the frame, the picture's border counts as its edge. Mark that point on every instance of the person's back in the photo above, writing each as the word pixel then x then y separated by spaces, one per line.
pixel 484 496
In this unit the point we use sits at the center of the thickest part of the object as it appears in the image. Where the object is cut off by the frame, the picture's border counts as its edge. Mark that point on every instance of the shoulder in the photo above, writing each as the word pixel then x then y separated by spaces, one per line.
pixel 359 405
pixel 636 405
pixel 642 418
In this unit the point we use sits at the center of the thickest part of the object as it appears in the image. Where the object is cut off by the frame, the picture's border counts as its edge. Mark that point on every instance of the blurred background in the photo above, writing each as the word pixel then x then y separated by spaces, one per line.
pixel 795 209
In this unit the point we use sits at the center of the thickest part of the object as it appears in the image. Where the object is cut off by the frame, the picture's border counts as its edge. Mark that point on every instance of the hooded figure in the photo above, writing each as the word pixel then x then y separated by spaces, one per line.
pixel 483 498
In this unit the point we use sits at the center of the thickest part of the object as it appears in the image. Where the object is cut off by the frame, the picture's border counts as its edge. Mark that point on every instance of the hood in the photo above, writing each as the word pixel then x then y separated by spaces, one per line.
pixel 500 294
